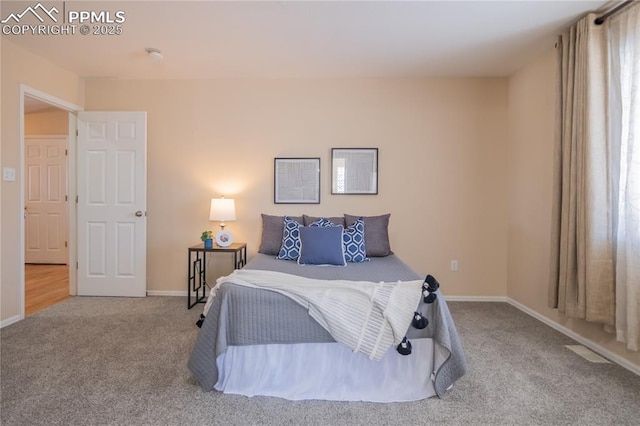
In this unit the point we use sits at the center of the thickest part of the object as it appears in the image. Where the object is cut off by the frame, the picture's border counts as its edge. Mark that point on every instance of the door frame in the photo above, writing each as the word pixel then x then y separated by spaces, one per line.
pixel 72 109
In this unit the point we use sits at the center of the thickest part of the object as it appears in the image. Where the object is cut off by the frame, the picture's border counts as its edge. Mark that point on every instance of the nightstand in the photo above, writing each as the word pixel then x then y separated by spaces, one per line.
pixel 197 272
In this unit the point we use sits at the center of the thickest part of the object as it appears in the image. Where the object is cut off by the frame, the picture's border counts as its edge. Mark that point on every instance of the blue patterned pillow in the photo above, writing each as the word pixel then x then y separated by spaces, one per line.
pixel 353 238
pixel 290 248
pixel 323 222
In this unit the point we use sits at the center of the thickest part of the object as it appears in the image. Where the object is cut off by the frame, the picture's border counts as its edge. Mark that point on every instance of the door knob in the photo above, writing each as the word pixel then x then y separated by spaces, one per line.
pixel 139 213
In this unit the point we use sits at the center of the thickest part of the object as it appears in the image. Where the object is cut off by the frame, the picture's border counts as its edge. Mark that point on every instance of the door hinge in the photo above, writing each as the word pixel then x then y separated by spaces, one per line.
pixel 76 199
pixel 66 152
pixel 76 265
pixel 77 134
pixel 65 244
pixel 66 198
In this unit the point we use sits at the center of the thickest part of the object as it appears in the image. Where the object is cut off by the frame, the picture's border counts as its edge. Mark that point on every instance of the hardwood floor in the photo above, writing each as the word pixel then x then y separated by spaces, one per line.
pixel 45 285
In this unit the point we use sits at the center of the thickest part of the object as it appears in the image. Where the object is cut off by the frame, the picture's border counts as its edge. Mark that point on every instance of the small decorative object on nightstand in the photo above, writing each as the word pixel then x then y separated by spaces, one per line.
pixel 223 209
pixel 207 239
pixel 224 238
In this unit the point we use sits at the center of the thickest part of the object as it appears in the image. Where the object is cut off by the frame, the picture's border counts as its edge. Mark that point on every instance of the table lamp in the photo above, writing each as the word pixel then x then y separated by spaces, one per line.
pixel 223 209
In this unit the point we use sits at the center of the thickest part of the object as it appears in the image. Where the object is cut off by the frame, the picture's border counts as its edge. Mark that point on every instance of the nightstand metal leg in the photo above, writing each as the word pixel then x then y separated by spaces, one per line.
pixel 197 269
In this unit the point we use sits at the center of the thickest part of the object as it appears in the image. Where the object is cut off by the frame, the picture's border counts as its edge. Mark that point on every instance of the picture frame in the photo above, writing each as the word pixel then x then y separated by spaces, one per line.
pixel 296 180
pixel 354 171
pixel 224 238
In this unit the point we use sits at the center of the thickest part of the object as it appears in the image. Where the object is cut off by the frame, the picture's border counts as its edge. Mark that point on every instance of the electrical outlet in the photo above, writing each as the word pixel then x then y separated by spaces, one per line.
pixel 454 265
pixel 8 174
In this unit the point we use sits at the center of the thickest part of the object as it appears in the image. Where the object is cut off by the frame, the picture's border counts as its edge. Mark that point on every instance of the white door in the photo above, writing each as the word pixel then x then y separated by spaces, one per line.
pixel 112 203
pixel 45 209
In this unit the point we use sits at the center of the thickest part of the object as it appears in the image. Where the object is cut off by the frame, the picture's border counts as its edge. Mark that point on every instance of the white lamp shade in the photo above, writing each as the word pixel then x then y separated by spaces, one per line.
pixel 222 209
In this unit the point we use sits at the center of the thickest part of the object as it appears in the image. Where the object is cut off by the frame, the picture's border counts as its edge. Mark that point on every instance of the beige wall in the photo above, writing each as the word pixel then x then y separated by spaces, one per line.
pixel 48 122
pixel 20 66
pixel 531 137
pixel 442 164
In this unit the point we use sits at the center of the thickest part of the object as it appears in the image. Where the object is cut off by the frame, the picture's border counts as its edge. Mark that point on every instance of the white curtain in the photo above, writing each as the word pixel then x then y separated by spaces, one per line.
pixel 582 267
pixel 624 134
pixel 595 268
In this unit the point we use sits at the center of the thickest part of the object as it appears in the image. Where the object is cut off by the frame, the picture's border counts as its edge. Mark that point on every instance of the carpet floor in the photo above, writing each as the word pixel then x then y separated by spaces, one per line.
pixel 112 361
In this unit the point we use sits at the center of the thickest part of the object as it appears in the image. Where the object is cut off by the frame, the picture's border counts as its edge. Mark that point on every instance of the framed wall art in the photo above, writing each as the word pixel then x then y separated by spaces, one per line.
pixel 296 181
pixel 354 170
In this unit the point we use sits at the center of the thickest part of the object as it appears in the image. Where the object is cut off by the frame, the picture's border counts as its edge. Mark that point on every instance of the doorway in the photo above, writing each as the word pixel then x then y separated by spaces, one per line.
pixel 47 185
pixel 46 130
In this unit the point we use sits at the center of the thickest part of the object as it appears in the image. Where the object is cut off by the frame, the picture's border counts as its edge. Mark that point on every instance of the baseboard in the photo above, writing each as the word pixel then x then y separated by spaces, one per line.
pixel 9 321
pixel 475 298
pixel 166 293
pixel 575 336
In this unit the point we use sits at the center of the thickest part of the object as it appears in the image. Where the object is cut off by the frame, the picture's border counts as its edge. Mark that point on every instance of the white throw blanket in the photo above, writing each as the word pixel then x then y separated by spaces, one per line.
pixel 368 317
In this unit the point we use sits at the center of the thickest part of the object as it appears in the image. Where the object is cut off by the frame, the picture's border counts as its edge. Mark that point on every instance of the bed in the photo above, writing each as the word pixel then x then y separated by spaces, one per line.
pixel 257 341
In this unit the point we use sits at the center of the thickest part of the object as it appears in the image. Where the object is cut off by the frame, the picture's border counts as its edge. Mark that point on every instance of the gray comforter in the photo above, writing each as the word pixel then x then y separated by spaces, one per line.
pixel 246 316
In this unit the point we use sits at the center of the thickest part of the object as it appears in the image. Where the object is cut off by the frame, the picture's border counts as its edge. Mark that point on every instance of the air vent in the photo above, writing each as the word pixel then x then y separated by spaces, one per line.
pixel 587 354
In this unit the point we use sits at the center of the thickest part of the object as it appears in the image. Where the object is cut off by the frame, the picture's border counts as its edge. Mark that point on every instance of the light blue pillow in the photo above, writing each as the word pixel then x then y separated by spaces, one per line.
pixel 353 238
pixel 290 248
pixel 321 245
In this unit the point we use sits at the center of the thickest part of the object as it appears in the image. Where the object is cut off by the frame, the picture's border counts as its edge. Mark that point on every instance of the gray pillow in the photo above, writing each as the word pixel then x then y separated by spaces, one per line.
pixel 272 228
pixel 376 233
pixel 339 220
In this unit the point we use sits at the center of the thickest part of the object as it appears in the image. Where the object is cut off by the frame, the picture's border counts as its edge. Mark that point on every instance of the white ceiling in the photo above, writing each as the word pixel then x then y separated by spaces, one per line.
pixel 286 39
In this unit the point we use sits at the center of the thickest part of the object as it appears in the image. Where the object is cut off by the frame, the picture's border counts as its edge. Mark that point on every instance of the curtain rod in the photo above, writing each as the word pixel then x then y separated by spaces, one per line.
pixel 600 19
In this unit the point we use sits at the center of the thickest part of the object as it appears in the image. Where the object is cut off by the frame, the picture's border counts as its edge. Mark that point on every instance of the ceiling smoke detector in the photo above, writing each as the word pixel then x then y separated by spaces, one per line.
pixel 154 54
